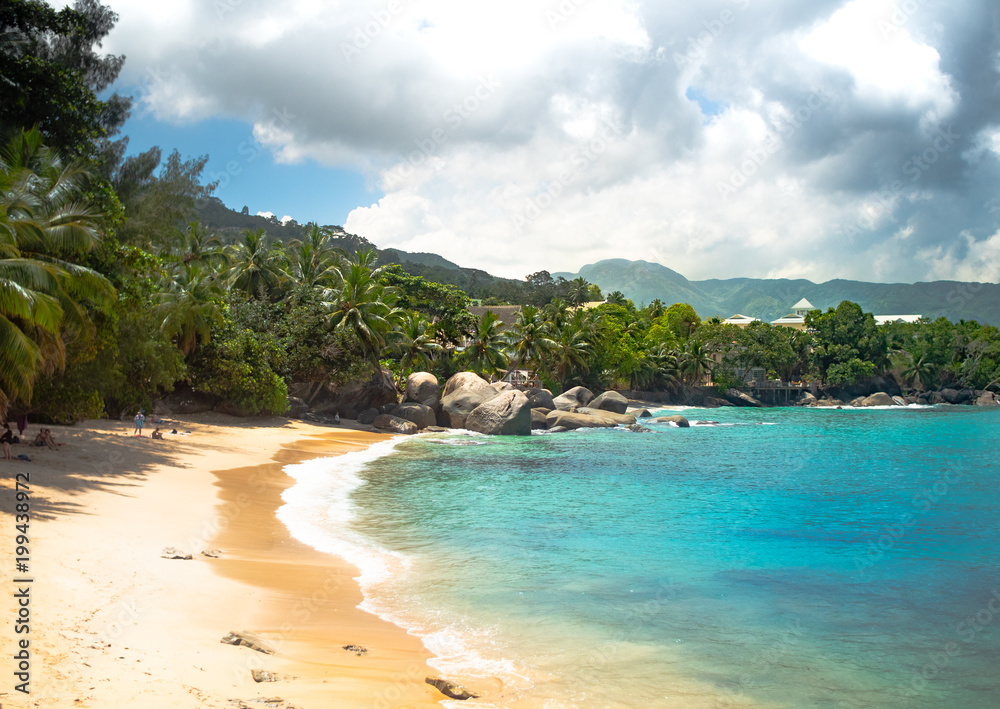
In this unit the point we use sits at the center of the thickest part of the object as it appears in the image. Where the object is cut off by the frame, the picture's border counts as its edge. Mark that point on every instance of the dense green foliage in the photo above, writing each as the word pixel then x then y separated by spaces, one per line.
pixel 121 278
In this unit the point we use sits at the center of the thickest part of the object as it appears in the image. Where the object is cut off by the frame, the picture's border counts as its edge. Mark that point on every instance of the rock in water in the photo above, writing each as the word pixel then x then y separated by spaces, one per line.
pixel 450 689
pixel 986 398
pixel 573 399
pixel 394 424
pixel 572 420
pixel 419 414
pixel 423 388
pixel 679 421
pixel 172 553
pixel 540 398
pixel 878 399
pixel 248 640
pixel 457 405
pixel 636 428
pixel 621 419
pixel 610 401
pixel 537 419
pixel 507 414
pixel 642 414
pixel 739 398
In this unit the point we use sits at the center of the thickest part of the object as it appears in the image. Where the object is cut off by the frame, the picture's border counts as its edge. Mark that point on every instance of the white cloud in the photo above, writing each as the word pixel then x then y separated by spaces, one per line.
pixel 520 136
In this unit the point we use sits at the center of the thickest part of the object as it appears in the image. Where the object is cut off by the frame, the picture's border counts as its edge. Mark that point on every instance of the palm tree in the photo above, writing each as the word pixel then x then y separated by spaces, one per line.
pixel 668 369
pixel 615 298
pixel 314 262
pixel 529 338
pixel 695 361
pixel 42 220
pixel 363 306
pixel 556 312
pixel 414 342
pixel 920 371
pixel 197 247
pixel 579 291
pixel 484 353
pixel 569 353
pixel 188 307
pixel 257 265
pixel 656 308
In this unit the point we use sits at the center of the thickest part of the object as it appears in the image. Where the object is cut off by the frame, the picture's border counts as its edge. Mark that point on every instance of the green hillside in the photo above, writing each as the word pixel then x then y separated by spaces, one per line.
pixel 768 299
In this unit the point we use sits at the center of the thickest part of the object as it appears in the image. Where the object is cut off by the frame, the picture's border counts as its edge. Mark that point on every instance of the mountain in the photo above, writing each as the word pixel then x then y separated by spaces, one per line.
pixel 769 299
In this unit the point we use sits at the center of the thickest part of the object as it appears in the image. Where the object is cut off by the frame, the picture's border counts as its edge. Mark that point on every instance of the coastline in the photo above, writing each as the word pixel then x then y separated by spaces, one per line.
pixel 114 624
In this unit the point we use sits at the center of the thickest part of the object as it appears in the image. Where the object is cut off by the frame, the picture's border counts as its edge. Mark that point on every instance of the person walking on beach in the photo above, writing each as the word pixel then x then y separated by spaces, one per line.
pixel 7 438
pixel 140 418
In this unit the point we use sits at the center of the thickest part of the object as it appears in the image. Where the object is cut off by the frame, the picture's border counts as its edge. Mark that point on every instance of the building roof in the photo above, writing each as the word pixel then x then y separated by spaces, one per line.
pixel 739 319
pixel 803 305
pixel 883 319
pixel 790 319
pixel 506 313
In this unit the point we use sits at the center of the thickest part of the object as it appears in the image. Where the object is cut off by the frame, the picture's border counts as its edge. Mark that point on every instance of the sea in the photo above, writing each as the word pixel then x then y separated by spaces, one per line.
pixel 791 558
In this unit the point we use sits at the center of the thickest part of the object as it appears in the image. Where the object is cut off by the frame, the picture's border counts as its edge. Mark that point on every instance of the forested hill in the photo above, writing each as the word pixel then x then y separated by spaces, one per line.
pixel 476 283
pixel 642 282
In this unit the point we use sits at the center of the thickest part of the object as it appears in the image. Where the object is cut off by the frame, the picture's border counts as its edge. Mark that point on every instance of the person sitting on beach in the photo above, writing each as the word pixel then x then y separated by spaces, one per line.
pixel 7 438
pixel 157 435
pixel 49 440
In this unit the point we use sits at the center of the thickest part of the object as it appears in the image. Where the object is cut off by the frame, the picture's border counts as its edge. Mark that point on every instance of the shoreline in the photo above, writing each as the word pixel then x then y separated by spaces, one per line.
pixel 114 624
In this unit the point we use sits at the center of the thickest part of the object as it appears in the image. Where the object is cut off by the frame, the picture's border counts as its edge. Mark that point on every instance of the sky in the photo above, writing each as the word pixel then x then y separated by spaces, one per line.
pixel 767 138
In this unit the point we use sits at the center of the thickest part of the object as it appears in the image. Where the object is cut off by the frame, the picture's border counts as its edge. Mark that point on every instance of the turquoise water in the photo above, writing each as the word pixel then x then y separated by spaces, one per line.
pixel 782 558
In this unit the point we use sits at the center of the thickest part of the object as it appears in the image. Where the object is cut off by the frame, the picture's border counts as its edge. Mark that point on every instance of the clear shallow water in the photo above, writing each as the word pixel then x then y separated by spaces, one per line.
pixel 784 558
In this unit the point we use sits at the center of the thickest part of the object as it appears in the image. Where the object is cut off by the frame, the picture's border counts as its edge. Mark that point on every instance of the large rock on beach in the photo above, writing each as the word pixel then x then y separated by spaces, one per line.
pixel 678 421
pixel 935 397
pixel 571 420
pixel 500 387
pixel 450 689
pixel 457 406
pixel 507 414
pixel 296 407
pixel 368 416
pixel 465 380
pixel 573 399
pixel 619 419
pixel 807 399
pixel 712 402
pixel 423 388
pixel 247 640
pixel 540 398
pixel 419 414
pixel 878 399
pixel 610 401
pixel 642 413
pixel 394 424
pixel 538 420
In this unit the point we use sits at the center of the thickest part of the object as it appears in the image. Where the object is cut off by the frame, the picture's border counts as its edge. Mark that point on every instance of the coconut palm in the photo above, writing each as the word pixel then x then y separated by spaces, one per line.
pixel 695 362
pixel 668 370
pixel 363 306
pixel 197 247
pixel 656 308
pixel 579 291
pixel 188 307
pixel 569 353
pixel 43 220
pixel 615 298
pixel 484 353
pixel 529 338
pixel 414 342
pixel 920 371
pixel 314 262
pixel 257 265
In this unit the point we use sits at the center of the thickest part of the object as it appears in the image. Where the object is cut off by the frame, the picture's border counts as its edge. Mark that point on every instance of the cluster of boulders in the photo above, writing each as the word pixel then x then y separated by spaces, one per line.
pixel 931 398
pixel 469 402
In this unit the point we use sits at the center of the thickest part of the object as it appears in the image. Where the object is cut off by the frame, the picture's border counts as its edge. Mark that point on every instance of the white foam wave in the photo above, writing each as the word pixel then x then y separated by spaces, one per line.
pixel 318 511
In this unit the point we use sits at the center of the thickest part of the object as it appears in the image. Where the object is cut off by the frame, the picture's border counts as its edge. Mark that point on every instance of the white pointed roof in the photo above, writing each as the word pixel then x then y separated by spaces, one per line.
pixel 803 305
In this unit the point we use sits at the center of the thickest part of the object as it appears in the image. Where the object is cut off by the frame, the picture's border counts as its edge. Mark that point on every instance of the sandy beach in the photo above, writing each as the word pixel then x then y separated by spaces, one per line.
pixel 112 624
